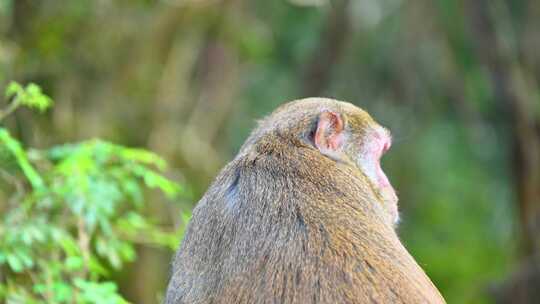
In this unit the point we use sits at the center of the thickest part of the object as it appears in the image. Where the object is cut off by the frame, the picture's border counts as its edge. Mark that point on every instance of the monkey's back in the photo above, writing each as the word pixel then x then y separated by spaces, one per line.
pixel 266 232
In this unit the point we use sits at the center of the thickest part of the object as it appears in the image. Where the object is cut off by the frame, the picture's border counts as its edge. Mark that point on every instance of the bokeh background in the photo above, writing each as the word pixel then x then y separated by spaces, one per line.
pixel 457 82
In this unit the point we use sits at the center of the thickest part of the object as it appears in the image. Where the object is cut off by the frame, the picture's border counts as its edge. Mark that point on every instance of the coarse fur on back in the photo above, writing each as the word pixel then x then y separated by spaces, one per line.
pixel 284 223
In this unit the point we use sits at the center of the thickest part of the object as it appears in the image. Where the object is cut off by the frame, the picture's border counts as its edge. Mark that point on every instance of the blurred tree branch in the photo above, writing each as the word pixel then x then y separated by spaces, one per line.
pixel 516 94
pixel 317 74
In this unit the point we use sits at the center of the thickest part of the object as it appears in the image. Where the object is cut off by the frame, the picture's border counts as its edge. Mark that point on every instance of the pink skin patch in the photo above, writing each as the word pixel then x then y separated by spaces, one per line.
pixel 369 160
pixel 384 144
pixel 379 144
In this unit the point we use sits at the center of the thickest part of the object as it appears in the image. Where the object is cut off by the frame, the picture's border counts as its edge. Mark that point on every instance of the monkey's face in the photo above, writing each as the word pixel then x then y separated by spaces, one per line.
pixel 375 142
pixel 355 136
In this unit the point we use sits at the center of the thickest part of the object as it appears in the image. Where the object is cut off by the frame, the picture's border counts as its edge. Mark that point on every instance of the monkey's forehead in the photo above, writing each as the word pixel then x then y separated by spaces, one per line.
pixel 315 105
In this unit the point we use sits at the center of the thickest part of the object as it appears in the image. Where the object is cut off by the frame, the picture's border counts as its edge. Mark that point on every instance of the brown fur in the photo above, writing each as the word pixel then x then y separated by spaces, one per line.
pixel 284 224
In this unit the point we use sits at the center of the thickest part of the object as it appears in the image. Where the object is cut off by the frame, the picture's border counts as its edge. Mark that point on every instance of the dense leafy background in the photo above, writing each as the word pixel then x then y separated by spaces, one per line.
pixel 455 81
pixel 75 213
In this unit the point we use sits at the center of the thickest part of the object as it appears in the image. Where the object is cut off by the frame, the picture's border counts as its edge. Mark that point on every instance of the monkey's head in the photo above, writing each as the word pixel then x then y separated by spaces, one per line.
pixel 341 132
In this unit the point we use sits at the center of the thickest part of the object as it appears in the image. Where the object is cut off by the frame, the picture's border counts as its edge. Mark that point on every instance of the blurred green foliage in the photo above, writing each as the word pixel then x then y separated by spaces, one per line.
pixel 79 219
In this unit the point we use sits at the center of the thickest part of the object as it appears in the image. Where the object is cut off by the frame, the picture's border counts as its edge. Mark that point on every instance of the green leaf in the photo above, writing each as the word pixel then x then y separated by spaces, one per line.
pixel 156 180
pixel 25 259
pixel 62 291
pixel 97 268
pixel 34 98
pixel 14 263
pixel 69 246
pixel 99 292
pixel 13 89
pixel 39 288
pixel 74 263
pixel 15 148
pixel 142 156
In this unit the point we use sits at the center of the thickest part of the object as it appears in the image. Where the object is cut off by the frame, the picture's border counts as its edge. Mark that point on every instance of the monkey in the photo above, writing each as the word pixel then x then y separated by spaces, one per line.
pixel 302 214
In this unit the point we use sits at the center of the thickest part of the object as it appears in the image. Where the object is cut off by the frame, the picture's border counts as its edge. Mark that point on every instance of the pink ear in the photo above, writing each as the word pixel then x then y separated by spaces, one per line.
pixel 329 134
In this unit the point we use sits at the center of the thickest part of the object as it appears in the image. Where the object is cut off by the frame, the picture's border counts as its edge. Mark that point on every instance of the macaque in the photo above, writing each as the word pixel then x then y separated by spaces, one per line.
pixel 303 214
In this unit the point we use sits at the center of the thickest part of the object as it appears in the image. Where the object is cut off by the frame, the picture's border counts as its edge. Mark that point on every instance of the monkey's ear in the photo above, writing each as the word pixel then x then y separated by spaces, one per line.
pixel 329 136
